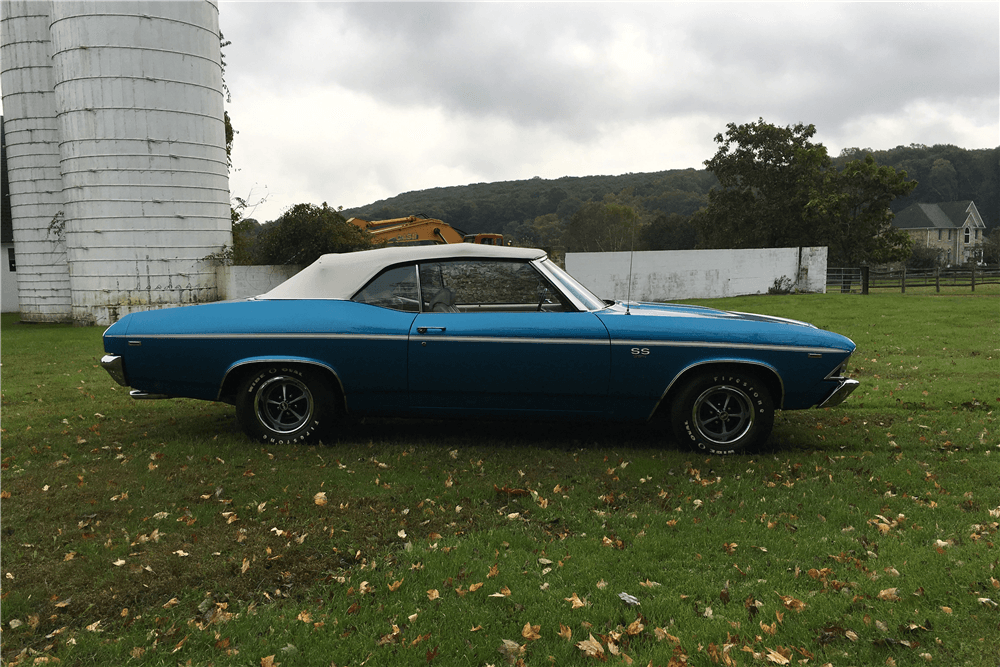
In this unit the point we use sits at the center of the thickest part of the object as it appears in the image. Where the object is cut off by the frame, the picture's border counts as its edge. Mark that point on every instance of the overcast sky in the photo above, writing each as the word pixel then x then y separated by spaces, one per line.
pixel 350 103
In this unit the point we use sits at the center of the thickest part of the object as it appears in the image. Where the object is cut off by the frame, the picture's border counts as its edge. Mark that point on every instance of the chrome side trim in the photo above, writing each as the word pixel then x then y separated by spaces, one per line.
pixel 840 394
pixel 727 346
pixel 502 339
pixel 280 336
pixel 115 367
pixel 144 396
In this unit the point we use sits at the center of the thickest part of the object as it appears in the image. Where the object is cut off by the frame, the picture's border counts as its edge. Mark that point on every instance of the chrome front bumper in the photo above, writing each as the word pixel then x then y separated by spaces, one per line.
pixel 116 369
pixel 840 394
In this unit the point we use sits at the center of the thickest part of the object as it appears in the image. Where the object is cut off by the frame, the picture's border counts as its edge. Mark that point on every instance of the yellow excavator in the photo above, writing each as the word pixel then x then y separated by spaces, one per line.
pixel 413 230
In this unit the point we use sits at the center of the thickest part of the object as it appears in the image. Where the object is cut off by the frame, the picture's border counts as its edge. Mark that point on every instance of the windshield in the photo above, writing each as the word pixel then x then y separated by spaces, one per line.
pixel 568 283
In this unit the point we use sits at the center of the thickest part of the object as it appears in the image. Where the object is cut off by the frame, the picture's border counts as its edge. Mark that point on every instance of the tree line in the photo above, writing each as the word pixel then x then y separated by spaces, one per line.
pixel 766 186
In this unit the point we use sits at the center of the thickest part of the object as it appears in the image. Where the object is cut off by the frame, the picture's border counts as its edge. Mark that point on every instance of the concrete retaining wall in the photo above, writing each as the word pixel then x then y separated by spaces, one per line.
pixel 663 275
pixel 241 282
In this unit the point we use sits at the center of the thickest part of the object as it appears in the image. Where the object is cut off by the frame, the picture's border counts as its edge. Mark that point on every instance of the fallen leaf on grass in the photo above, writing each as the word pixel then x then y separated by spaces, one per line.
pixel 575 601
pixel 775 656
pixel 889 595
pixel 530 631
pixel 565 632
pixel 591 648
pixel 172 602
pixel 433 594
pixel 320 498
pixel 504 593
pixel 511 651
pixel 630 600
pixel 791 603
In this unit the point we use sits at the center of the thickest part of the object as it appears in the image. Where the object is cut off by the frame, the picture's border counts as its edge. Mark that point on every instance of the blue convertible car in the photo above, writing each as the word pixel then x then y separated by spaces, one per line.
pixel 475 331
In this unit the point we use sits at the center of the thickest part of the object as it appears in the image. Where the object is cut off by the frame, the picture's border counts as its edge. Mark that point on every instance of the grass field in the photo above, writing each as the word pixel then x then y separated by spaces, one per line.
pixel 152 533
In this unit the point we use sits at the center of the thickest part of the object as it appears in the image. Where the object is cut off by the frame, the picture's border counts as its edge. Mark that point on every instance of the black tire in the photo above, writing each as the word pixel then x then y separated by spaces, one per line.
pixel 284 404
pixel 723 412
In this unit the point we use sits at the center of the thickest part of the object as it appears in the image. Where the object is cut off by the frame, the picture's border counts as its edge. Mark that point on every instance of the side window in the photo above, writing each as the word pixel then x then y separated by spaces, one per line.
pixel 491 286
pixel 968 234
pixel 394 288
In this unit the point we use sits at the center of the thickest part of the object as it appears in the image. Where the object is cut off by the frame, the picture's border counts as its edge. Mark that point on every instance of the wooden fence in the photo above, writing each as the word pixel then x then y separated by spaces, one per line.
pixel 862 279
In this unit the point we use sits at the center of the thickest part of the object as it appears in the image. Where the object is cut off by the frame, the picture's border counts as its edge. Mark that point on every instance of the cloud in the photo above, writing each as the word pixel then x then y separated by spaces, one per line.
pixel 354 102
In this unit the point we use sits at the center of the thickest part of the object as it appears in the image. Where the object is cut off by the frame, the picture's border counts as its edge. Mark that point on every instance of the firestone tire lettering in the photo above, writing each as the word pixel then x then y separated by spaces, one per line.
pixel 723 413
pixel 284 405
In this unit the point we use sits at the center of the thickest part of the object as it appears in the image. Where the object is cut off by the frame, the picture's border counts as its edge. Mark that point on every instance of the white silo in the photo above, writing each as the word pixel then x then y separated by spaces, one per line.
pixel 138 86
pixel 32 141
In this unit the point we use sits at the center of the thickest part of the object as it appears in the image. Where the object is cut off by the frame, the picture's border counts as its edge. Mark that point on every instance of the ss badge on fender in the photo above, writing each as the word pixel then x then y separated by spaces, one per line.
pixel 640 352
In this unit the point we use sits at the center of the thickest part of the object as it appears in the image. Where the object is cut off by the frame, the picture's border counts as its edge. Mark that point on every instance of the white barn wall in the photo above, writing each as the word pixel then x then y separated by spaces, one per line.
pixel 113 116
pixel 662 275
pixel 144 168
pixel 32 142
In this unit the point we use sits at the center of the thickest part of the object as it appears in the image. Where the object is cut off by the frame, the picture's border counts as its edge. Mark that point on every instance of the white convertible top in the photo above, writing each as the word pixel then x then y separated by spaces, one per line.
pixel 340 276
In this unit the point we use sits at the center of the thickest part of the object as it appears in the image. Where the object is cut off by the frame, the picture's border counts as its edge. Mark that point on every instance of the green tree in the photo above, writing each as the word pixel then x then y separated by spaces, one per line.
pixel 245 233
pixel 767 175
pixel 852 217
pixel 601 227
pixel 669 232
pixel 778 189
pixel 924 257
pixel 991 247
pixel 306 231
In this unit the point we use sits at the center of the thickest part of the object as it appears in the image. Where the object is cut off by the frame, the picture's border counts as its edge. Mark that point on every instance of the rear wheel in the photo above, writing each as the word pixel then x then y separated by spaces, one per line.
pixel 723 412
pixel 284 404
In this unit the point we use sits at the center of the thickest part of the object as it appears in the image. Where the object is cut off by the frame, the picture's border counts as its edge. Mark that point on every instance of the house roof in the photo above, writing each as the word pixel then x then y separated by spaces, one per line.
pixel 945 215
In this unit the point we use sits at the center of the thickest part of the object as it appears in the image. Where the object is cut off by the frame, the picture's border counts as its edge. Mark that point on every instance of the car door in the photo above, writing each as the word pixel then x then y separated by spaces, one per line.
pixel 495 337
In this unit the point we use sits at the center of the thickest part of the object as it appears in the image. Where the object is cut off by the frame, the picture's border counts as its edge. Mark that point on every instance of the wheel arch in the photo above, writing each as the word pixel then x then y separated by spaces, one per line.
pixel 767 373
pixel 237 373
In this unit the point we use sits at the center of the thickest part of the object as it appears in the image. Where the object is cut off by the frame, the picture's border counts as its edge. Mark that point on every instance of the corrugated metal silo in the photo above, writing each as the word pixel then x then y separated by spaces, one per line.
pixel 144 168
pixel 35 181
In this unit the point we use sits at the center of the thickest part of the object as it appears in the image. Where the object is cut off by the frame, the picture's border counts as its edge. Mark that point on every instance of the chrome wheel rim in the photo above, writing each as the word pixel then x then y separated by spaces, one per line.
pixel 284 404
pixel 723 414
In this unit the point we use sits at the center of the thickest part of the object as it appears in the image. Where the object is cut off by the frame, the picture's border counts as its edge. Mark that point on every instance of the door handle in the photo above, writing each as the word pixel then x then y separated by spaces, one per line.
pixel 424 330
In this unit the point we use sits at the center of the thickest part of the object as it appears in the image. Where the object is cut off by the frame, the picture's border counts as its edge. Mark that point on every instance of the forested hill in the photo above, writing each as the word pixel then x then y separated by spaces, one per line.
pixel 943 173
pixel 483 207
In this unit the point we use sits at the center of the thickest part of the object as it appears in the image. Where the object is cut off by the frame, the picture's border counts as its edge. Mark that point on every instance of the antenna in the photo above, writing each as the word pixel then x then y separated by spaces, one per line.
pixel 631 255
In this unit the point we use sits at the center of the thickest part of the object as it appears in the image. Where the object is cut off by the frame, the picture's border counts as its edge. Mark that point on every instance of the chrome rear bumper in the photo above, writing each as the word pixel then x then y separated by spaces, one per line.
pixel 840 394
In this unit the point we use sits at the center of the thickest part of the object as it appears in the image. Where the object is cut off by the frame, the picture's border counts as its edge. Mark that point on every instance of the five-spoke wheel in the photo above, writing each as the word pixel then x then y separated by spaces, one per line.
pixel 284 405
pixel 723 412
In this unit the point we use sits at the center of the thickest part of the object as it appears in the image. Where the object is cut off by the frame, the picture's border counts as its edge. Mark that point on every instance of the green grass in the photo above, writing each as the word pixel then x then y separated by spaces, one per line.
pixel 154 533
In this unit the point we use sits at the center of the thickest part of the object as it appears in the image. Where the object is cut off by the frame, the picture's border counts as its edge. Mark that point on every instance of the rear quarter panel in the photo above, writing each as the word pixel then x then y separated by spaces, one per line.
pixel 188 351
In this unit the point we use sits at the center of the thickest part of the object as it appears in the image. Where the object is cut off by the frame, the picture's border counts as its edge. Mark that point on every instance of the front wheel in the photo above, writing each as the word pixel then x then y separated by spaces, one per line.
pixel 724 412
pixel 284 405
